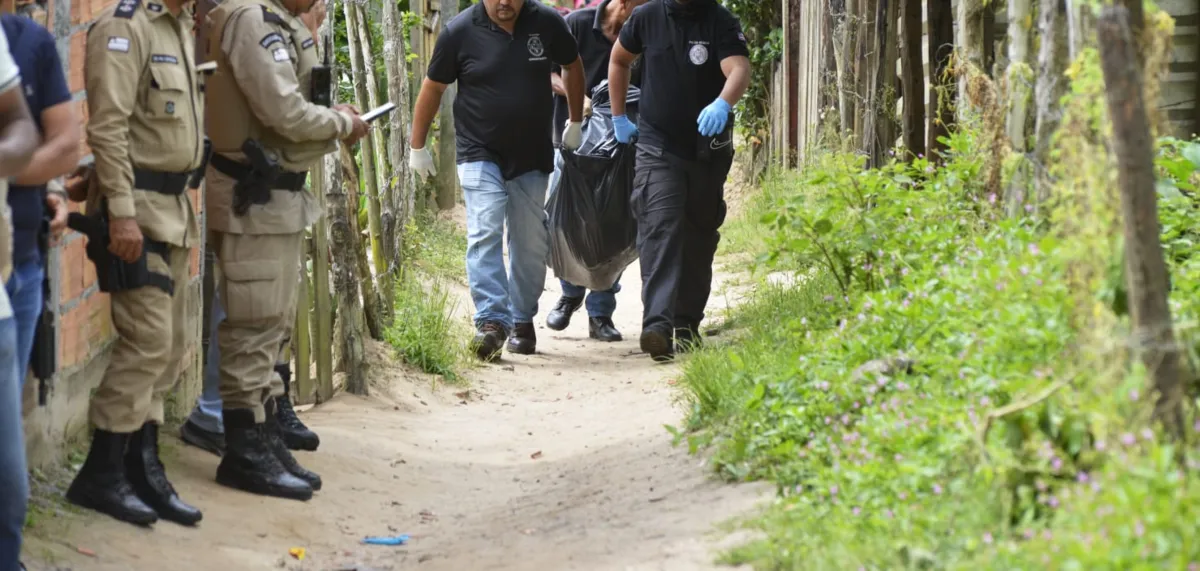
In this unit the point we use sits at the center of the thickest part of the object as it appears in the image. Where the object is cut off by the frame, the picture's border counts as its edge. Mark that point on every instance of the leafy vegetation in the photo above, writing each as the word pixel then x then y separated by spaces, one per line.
pixel 944 387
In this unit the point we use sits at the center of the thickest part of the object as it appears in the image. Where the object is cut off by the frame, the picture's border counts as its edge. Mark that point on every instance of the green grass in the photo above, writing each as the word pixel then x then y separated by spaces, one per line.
pixel 437 248
pixel 893 471
pixel 424 332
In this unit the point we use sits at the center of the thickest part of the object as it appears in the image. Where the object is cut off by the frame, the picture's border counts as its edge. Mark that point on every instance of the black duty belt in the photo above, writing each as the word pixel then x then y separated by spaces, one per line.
pixel 287 180
pixel 169 183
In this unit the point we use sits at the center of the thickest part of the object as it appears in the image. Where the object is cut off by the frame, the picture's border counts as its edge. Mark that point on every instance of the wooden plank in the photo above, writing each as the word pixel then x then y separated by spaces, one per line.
pixel 303 341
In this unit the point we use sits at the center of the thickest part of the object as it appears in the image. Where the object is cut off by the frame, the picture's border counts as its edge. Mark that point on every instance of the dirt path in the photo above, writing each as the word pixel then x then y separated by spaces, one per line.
pixel 553 462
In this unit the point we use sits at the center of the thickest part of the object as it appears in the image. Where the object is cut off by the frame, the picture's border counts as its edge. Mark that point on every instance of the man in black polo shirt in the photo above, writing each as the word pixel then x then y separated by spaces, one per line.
pixel 500 52
pixel 595 30
pixel 695 70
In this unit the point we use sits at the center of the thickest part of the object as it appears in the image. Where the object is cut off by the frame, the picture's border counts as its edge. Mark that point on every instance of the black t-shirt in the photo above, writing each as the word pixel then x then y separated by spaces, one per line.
pixel 682 45
pixel 586 25
pixel 503 85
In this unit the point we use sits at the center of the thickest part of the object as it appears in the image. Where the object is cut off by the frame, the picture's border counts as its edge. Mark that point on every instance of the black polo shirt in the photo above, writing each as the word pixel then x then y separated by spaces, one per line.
pixel 504 103
pixel 682 45
pixel 586 25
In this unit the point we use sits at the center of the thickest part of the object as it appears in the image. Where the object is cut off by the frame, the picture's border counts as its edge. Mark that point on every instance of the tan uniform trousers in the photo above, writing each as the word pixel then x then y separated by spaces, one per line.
pixel 148 358
pixel 257 283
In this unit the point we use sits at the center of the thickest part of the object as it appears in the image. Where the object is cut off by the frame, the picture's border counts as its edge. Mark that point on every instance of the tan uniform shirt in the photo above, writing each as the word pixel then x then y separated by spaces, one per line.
pixel 145 112
pixel 260 91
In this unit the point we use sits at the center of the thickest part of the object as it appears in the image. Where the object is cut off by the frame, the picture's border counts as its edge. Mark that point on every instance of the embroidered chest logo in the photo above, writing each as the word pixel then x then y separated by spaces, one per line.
pixel 698 54
pixel 536 49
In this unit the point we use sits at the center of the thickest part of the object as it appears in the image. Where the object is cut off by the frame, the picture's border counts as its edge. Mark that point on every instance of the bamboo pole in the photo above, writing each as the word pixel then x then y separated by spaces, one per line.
pixel 369 182
pixel 322 324
pixel 303 341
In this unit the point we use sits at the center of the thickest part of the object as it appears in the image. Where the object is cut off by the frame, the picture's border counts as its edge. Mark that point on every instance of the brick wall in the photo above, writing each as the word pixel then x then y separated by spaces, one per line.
pixel 86 332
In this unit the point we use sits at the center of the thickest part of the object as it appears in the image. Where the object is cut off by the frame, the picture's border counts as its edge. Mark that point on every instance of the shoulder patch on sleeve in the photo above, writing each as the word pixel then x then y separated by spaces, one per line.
pixel 154 7
pixel 307 43
pixel 271 38
pixel 271 17
pixel 118 44
pixel 126 8
pixel 281 54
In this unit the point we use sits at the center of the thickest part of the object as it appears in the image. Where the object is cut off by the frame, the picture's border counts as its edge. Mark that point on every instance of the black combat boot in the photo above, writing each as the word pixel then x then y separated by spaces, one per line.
pixel 101 484
pixel 149 478
pixel 249 463
pixel 560 317
pixel 275 437
pixel 296 435
pixel 489 341
pixel 523 340
pixel 603 329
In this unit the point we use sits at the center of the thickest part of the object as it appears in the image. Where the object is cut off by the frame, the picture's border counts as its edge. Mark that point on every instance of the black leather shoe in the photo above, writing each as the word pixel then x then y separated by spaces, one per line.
pixel 275 435
pixel 657 344
pixel 101 484
pixel 295 434
pixel 560 317
pixel 602 329
pixel 249 463
pixel 489 341
pixel 206 440
pixel 523 340
pixel 688 339
pixel 149 478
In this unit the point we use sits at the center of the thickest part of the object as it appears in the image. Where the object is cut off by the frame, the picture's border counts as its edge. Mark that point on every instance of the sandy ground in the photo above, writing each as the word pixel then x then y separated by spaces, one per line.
pixel 557 461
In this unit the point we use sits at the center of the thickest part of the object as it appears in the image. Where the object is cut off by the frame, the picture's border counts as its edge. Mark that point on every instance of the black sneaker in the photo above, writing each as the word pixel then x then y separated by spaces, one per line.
pixel 560 317
pixel 206 440
pixel 489 341
pixel 657 344
pixel 523 340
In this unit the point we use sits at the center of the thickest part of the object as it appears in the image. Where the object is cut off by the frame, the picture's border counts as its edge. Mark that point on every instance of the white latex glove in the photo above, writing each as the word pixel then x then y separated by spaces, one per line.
pixel 421 163
pixel 573 136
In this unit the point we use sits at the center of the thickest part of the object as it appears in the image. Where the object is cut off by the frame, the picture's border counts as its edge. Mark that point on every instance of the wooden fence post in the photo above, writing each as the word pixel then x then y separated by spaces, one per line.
pixel 1145 269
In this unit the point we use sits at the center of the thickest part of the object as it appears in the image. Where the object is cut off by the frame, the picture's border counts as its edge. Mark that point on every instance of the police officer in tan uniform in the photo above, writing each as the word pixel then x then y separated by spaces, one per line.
pixel 261 91
pixel 145 131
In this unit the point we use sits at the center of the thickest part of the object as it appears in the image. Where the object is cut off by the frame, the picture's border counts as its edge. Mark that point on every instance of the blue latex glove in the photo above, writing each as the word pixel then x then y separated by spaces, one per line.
pixel 712 119
pixel 624 129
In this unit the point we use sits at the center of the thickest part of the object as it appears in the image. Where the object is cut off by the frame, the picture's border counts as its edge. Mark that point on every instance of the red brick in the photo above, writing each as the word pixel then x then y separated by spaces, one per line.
pixel 86 10
pixel 194 262
pixel 69 340
pixel 77 52
pixel 74 256
pixel 100 328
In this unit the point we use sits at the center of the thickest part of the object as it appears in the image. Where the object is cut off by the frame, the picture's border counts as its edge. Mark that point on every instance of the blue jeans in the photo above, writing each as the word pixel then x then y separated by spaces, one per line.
pixel 25 293
pixel 505 297
pixel 599 303
pixel 207 414
pixel 14 483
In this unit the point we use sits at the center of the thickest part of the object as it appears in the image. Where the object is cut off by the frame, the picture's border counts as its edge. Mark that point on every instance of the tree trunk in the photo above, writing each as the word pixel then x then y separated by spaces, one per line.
pixel 401 179
pixel 1019 79
pixel 1145 269
pixel 913 77
pixel 369 181
pixel 862 48
pixel 843 45
pixel 883 82
pixel 447 172
pixel 971 51
pixel 1051 86
pixel 322 334
pixel 942 92
pixel 346 278
pixel 386 265
pixel 370 297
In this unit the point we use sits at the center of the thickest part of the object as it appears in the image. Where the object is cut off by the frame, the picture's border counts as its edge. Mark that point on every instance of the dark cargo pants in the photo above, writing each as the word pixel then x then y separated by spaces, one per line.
pixel 679 206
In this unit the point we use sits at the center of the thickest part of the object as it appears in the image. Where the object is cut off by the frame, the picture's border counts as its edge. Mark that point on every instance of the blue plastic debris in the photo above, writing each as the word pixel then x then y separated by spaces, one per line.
pixel 387 540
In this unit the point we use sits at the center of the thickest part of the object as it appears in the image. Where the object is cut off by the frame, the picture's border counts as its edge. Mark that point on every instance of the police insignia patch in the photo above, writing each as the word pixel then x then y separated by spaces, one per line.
pixel 269 39
pixel 170 108
pixel 698 54
pixel 118 44
pixel 163 58
pixel 280 54
pixel 307 43
pixel 154 7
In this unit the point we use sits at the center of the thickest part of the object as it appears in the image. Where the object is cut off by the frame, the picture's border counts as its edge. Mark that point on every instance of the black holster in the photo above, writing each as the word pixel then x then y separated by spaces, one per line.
pixel 112 273
pixel 254 180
